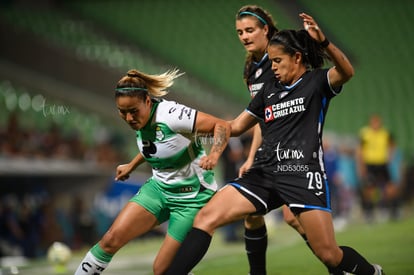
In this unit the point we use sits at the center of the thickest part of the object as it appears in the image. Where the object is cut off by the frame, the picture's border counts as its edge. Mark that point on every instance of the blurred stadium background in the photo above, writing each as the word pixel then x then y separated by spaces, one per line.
pixel 61 137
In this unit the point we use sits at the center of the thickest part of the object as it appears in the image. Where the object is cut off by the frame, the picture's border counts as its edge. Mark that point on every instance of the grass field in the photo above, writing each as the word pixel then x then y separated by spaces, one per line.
pixel 390 244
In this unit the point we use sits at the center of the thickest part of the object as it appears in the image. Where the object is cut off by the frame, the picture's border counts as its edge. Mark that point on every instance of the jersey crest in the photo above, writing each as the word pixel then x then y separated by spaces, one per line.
pixel 159 135
pixel 268 114
pixel 258 73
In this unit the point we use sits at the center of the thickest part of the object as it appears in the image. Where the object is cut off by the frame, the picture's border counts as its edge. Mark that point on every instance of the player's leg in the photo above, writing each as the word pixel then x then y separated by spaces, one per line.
pixel 392 196
pixel 226 206
pixel 133 221
pixel 181 214
pixel 291 219
pixel 319 229
pixel 136 218
pixel 255 238
pixel 370 193
pixel 165 255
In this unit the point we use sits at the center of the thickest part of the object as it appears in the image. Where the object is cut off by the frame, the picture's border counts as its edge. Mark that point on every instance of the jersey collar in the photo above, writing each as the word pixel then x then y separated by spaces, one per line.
pixel 153 108
pixel 264 59
pixel 290 87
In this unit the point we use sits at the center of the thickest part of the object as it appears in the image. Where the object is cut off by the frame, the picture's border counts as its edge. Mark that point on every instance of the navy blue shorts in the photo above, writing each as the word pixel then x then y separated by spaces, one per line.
pixel 301 191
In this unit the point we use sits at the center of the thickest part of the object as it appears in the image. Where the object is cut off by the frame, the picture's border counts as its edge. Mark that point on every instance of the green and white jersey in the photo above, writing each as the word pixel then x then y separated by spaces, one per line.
pixel 169 145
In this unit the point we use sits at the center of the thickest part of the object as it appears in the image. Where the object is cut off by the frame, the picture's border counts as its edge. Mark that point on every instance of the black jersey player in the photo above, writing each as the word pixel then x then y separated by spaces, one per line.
pixel 255 27
pixel 288 167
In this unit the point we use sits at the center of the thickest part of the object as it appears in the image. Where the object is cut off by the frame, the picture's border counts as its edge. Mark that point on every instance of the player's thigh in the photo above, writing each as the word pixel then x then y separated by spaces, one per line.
pixel 291 219
pixel 165 255
pixel 181 221
pixel 319 229
pixel 321 237
pixel 226 206
pixel 288 215
pixel 133 221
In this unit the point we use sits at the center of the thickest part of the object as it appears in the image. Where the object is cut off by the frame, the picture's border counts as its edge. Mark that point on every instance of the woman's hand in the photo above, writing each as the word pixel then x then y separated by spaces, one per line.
pixel 246 166
pixel 208 162
pixel 122 172
pixel 310 25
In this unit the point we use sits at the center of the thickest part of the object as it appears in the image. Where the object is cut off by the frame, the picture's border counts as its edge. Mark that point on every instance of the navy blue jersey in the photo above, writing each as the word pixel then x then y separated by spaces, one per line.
pixel 294 117
pixel 258 76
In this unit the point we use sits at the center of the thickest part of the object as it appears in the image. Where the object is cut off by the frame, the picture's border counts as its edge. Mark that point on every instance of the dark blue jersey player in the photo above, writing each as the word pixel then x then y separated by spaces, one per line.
pixel 294 113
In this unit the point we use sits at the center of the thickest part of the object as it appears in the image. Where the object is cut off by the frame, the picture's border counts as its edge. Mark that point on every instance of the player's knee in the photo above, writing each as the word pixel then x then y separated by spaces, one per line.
pixel 254 222
pixel 111 242
pixel 206 220
pixel 330 257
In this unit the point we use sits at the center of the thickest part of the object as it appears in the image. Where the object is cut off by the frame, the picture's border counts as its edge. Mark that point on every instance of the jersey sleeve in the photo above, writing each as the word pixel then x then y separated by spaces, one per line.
pixel 178 117
pixel 256 105
pixel 328 89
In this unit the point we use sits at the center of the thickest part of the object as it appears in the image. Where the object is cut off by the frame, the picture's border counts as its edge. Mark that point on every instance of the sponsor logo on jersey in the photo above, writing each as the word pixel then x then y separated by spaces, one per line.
pixel 272 94
pixel 284 108
pixel 286 153
pixel 185 112
pixel 258 73
pixel 283 154
pixel 148 148
pixel 255 88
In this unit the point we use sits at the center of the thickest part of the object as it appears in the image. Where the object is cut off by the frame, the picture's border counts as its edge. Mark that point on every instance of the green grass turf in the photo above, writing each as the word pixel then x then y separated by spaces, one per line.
pixel 390 244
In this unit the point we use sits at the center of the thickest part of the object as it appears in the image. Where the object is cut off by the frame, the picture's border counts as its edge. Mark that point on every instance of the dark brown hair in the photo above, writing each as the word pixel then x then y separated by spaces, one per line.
pixel 262 17
pixel 313 54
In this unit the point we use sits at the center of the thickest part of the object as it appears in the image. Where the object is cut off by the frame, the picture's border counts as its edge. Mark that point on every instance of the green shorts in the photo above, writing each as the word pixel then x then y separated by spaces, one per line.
pixel 179 212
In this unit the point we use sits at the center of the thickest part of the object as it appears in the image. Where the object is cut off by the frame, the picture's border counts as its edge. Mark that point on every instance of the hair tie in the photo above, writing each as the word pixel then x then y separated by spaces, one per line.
pixel 255 15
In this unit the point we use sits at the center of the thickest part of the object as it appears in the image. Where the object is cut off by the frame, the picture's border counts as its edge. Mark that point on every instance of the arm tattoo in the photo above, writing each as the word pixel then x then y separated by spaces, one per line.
pixel 219 139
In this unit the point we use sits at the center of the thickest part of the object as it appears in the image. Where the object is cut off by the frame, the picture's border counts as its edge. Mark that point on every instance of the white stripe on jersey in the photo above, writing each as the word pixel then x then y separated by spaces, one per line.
pixel 180 120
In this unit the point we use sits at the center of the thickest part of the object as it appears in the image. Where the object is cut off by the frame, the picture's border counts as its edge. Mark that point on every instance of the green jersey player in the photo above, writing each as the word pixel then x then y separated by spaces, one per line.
pixel 182 181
